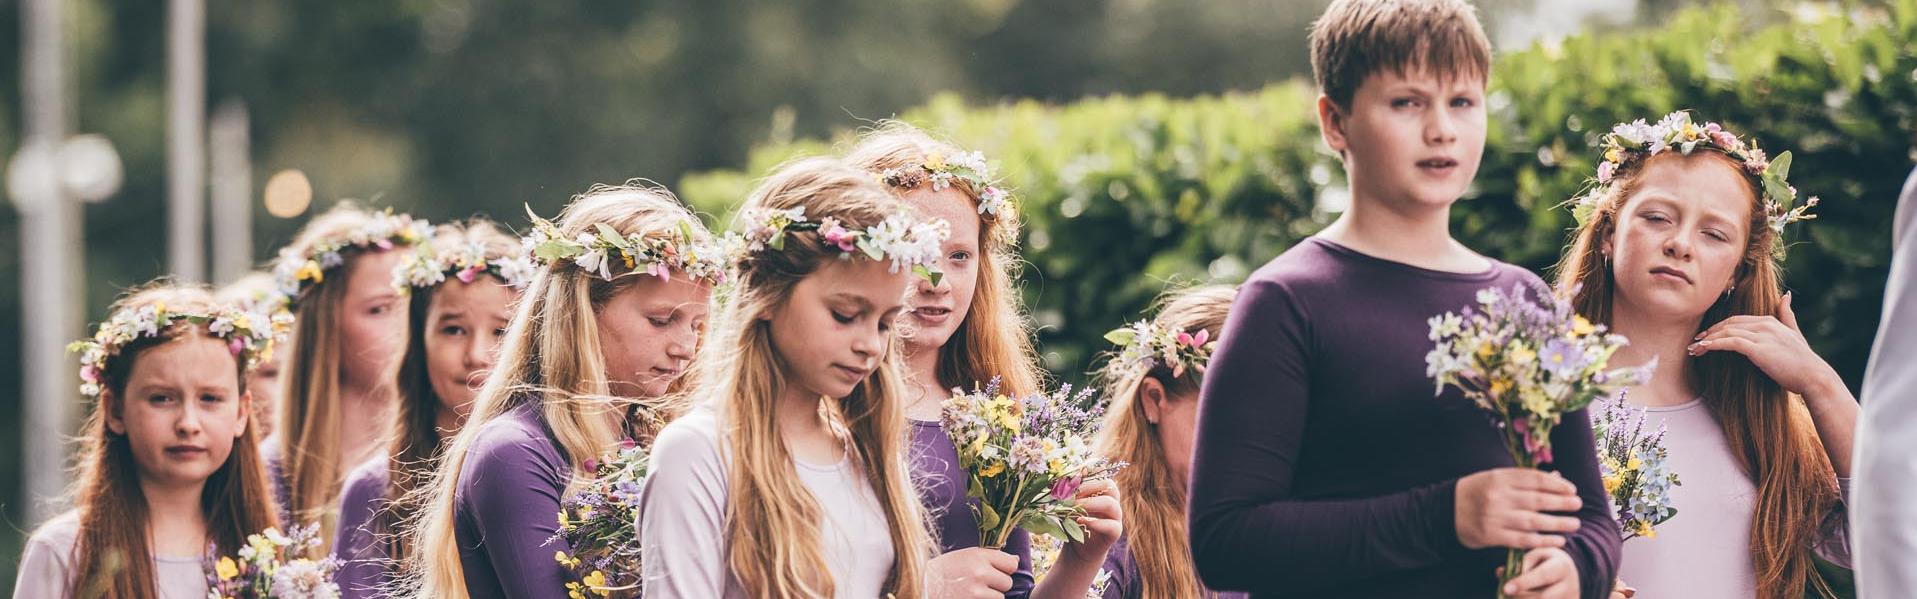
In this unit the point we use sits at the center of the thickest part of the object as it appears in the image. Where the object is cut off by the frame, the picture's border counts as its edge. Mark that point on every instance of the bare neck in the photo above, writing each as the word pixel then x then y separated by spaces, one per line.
pixel 922 401
pixel 364 416
pixel 804 430
pixel 1419 238
pixel 175 521
pixel 1663 339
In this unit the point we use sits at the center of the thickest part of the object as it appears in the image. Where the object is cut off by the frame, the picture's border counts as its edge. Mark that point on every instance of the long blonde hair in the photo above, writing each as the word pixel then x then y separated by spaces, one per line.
pixel 110 553
pixel 310 416
pixel 995 338
pixel 1769 430
pixel 1152 498
pixel 772 520
pixel 551 356
pixel 414 448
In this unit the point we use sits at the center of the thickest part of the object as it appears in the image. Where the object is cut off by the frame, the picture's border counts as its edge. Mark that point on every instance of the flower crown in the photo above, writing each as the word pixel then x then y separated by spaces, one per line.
pixel 1144 345
pixel 1629 144
pixel 908 244
pixel 296 272
pixel 970 166
pixel 249 338
pixel 426 267
pixel 698 256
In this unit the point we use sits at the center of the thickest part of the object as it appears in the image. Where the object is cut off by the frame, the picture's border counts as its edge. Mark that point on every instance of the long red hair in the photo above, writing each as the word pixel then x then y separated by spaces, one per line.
pixel 1769 430
pixel 110 554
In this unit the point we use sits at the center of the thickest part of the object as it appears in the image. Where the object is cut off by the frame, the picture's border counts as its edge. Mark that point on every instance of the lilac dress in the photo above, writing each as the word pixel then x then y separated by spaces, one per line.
pixel 1122 580
pixel 359 542
pixel 506 508
pixel 941 485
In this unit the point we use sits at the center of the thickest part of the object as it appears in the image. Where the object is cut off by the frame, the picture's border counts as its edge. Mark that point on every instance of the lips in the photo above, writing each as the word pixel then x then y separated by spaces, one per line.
pixel 1437 163
pixel 850 374
pixel 1666 271
pixel 931 314
pixel 185 451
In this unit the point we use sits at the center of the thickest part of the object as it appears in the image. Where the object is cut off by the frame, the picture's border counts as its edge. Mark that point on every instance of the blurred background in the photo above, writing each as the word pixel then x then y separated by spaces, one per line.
pixel 1150 142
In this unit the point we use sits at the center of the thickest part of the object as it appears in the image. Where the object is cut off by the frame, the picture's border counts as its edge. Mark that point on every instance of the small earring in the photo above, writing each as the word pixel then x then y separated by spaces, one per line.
pixel 1727 292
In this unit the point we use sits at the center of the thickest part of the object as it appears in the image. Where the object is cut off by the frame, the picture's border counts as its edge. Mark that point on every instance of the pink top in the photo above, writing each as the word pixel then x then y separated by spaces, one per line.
pixel 1704 551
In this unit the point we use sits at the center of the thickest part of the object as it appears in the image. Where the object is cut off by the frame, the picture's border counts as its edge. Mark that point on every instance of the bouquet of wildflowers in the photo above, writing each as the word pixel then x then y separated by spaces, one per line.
pixel 1633 464
pixel 272 566
pixel 1526 364
pixel 1045 552
pixel 1025 458
pixel 601 525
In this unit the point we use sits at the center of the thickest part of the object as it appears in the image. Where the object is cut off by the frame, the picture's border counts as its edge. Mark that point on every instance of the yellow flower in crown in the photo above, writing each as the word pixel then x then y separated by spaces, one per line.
pixel 935 161
pixel 310 272
pixel 1614 155
pixel 226 569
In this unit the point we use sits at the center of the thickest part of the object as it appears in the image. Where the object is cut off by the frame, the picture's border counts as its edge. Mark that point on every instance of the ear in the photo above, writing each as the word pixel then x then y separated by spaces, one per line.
pixel 1151 393
pixel 111 409
pixel 1331 124
pixel 246 413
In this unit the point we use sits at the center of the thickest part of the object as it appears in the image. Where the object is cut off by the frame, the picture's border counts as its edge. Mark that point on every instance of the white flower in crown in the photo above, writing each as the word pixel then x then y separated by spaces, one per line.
pixel 245 339
pixel 905 242
pixel 426 268
pixel 1144 345
pixel 294 272
pixel 940 172
pixel 684 249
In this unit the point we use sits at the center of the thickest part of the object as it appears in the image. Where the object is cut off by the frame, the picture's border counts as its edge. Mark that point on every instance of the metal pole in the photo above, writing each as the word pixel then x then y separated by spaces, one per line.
pixel 51 290
pixel 186 139
pixel 232 192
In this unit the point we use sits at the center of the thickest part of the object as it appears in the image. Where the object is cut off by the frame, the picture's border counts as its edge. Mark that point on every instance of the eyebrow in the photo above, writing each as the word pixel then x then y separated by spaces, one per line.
pixel 844 296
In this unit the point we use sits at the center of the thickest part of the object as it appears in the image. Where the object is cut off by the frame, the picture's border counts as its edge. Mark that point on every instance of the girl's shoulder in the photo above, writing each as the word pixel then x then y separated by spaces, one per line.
pixel 58 534
pixel 697 433
pixel 367 481
pixel 46 563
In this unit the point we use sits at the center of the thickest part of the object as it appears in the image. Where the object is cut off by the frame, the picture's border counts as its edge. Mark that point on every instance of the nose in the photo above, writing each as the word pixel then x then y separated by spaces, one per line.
pixel 925 286
pixel 683 343
pixel 869 343
pixel 480 350
pixel 1440 128
pixel 1677 246
pixel 188 424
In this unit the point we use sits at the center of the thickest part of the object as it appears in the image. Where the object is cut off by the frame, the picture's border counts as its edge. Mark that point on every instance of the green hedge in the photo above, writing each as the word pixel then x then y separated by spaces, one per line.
pixel 1126 195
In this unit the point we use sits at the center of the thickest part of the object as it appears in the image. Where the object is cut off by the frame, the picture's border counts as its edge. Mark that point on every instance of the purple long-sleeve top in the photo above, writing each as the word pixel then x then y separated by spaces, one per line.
pixel 1122 576
pixel 1324 466
pixel 358 542
pixel 941 486
pixel 506 507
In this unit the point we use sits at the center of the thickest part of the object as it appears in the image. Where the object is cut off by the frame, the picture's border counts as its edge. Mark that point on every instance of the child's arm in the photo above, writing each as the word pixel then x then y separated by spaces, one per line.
pixel 682 516
pixel 1246 533
pixel 513 488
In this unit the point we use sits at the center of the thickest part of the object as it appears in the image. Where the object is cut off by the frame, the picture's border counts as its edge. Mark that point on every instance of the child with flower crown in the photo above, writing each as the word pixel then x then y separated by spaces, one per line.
pixel 1324 467
pixel 598 340
pixel 348 334
pixel 170 472
pixel 1153 384
pixel 257 294
pixel 789 479
pixel 461 286
pixel 959 332
pixel 1678 248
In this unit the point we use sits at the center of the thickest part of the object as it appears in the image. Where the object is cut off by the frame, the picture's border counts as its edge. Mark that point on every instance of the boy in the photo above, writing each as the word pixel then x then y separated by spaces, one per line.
pixel 1324 467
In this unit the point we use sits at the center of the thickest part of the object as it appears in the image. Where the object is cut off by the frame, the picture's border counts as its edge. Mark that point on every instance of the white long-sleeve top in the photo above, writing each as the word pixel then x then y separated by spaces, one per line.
pixel 1884 507
pixel 682 518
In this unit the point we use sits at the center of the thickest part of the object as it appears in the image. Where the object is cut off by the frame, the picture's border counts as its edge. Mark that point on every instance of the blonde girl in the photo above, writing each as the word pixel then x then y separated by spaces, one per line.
pixel 598 337
pixel 790 478
pixel 461 287
pixel 961 331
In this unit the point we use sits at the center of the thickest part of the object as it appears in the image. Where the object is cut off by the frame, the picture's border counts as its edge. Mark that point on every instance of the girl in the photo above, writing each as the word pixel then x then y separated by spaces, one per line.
pixel 595 342
pixel 1153 416
pixel 462 286
pixel 790 481
pixel 256 294
pixel 350 330
pixel 170 470
pixel 1678 250
pixel 962 331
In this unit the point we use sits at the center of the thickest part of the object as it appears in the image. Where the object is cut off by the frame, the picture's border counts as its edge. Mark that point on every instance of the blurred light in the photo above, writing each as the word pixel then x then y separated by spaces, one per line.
pixel 288 193
pixel 89 167
pixel 31 176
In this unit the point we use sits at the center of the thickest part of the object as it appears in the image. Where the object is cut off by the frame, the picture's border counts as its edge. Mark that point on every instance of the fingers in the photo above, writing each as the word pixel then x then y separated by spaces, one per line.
pixel 1000 561
pixel 1544 570
pixel 1735 344
pixel 1095 488
pixel 1560 524
pixel 998 581
pixel 1101 507
pixel 1788 314
pixel 1534 480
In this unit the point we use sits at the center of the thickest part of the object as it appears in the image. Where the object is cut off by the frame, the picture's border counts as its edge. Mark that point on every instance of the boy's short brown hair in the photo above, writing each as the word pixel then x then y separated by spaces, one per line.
pixel 1355 38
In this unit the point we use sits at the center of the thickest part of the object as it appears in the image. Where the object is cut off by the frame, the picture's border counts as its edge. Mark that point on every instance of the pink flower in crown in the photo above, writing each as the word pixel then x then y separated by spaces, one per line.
pixel 1756 161
pixel 659 269
pixel 1719 136
pixel 1194 341
pixel 838 235
pixel 235 345
pixel 466 275
pixel 384 244
pixel 89 374
pixel 1605 170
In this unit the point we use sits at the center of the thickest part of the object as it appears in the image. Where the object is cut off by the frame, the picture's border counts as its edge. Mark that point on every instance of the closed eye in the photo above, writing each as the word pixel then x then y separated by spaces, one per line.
pixel 842 318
